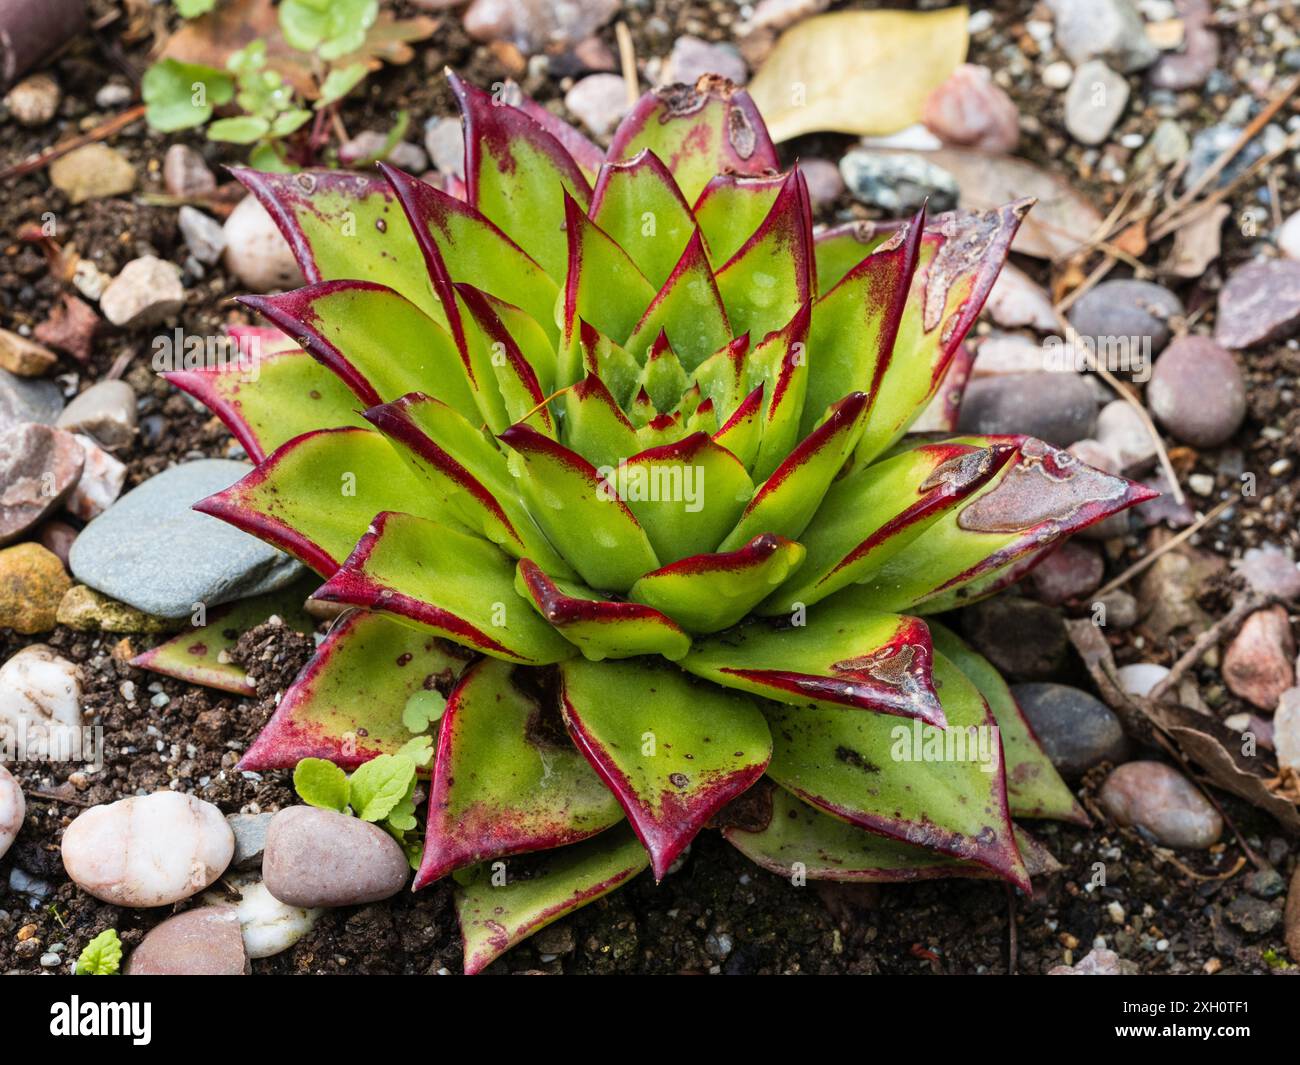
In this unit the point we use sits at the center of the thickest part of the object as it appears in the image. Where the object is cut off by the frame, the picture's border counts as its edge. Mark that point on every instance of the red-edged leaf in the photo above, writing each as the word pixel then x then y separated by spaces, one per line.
pixel 580 512
pixel 460 245
pixel 598 627
pixel 1034 787
pixel 789 837
pixel 284 394
pixel 958 261
pixel 686 496
pixel 594 425
pixel 771 276
pixel 855 323
pixel 780 365
pixel 201 655
pixel 507 779
pixel 346 705
pixel 708 593
pixel 688 309
pixel 502 355
pixel 731 208
pixel 939 788
pixel 344 226
pixel 495 917
pixel 587 155
pixel 874 513
pixel 454 584
pixel 838 249
pixel 639 205
pixel 830 657
pixel 315 496
pixel 518 175
pixel 672 750
pixel 603 287
pixel 742 432
pixel 699 131
pixel 380 345
pixel 1039 497
pixel 787 500
pixel 467 475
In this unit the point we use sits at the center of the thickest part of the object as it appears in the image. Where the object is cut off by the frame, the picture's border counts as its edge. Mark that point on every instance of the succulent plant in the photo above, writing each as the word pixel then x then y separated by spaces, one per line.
pixel 609 450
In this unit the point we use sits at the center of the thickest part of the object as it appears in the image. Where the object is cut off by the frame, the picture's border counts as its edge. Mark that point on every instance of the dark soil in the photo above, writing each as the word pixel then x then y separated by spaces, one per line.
pixel 717 913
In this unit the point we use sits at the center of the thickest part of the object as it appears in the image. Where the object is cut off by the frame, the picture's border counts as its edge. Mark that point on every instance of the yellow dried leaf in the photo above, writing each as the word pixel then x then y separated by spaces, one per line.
pixel 864 72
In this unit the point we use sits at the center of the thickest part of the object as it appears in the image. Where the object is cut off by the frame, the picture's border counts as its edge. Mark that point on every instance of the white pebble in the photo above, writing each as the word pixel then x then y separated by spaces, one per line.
pixel 148 850
pixel 268 925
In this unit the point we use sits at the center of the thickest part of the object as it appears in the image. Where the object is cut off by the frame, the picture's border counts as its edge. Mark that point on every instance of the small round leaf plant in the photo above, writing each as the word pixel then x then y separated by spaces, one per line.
pixel 612 450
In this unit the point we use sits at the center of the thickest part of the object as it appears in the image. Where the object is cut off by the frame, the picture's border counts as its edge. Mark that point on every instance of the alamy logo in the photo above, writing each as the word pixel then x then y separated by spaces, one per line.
pixel 650 483
pixel 134 1019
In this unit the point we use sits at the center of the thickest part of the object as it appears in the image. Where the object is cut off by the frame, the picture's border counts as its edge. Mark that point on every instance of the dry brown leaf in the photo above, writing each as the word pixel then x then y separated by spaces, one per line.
pixel 1060 222
pixel 1132 240
pixel 1201 739
pixel 211 39
pixel 864 72
pixel 1198 243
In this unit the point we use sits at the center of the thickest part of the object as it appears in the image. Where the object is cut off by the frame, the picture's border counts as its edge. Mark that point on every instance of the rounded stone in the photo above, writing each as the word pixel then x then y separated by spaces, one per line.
pixel 33 583
pixel 1197 393
pixel 256 251
pixel 147 291
pixel 970 110
pixel 1056 407
pixel 1157 799
pixel 321 858
pixel 12 810
pixel 39 467
pixel 39 691
pixel 1023 638
pixel 1127 310
pixel 105 411
pixel 269 926
pixel 202 942
pixel 1072 571
pixel 1140 678
pixel 1076 730
pixel 148 850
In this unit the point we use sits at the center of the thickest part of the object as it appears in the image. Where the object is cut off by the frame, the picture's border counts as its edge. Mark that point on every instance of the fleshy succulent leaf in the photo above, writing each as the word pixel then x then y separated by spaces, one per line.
pixel 869 516
pixel 1038 497
pixel 314 497
pixel 282 395
pixel 833 657
pixel 791 837
pixel 598 627
pixel 688 309
pixel 580 512
pixel 587 155
pixel 838 249
pixel 449 582
pixel 460 245
pixel 348 702
pixel 771 276
pixel 672 750
pixel 710 592
pixel 731 208
pixel 709 128
pixel 958 260
pixel 780 364
pixel 686 496
pixel 495 918
pixel 200 655
pixel 875 773
pixel 469 477
pixel 594 424
pixel 855 323
pixel 1034 787
pixel 380 345
pixel 603 286
pixel 343 226
pixel 518 175
pixel 639 205
pixel 785 503
pixel 507 779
